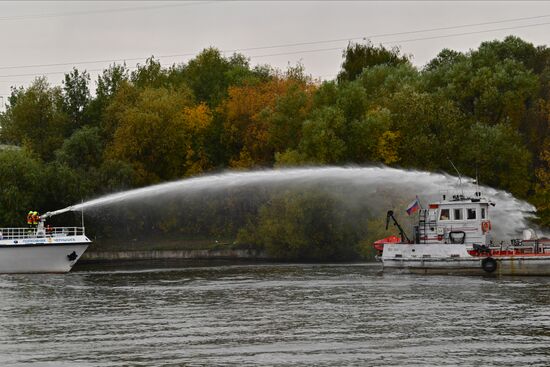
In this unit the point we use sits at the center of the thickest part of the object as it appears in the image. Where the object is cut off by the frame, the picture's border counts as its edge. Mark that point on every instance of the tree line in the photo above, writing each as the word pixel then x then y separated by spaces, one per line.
pixel 486 109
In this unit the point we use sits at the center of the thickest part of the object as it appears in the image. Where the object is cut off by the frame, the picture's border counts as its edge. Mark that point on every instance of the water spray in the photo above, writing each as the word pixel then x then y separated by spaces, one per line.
pixel 511 215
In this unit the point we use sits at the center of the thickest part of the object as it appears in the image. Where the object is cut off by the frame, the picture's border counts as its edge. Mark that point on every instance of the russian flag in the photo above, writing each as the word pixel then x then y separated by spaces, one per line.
pixel 413 207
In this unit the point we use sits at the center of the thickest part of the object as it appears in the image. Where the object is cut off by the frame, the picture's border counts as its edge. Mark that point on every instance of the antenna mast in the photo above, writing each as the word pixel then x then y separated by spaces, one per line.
pixel 459 176
pixel 82 218
pixel 477 182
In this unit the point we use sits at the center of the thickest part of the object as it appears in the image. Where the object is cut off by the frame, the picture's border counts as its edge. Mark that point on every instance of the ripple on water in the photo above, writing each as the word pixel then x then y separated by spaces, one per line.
pixel 272 314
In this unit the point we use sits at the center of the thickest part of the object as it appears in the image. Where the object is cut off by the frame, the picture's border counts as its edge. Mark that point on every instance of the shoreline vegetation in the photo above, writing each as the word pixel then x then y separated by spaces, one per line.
pixel 488 109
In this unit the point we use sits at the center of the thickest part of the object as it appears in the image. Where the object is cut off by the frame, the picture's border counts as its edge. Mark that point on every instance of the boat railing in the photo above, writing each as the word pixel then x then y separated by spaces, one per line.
pixel 523 247
pixel 47 232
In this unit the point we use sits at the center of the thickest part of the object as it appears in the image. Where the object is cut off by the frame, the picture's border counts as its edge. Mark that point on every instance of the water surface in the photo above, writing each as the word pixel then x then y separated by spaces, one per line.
pixel 271 315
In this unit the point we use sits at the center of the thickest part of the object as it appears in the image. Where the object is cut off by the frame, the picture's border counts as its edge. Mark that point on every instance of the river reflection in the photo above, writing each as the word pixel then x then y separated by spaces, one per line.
pixel 271 315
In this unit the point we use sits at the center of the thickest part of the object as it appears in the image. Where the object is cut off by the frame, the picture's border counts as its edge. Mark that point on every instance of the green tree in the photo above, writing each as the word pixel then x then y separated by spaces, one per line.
pixel 542 193
pixel 149 75
pixel 289 112
pixel 76 96
pixel 366 142
pixel 110 80
pixel 108 84
pixel 62 186
pixel 208 75
pixel 444 59
pixel 357 57
pixel 514 48
pixel 381 82
pixel 83 150
pixel 326 94
pixel 500 157
pixel 35 118
pixel 352 100
pixel 323 136
pixel 21 188
pixel 306 226
pixel 492 93
pixel 431 130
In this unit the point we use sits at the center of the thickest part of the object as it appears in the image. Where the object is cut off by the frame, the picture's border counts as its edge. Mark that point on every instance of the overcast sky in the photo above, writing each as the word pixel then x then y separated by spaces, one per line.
pixel 35 34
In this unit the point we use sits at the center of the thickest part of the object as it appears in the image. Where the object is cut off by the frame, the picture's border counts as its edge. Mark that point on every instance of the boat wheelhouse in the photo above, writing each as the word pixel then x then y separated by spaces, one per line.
pixel 41 249
pixel 454 236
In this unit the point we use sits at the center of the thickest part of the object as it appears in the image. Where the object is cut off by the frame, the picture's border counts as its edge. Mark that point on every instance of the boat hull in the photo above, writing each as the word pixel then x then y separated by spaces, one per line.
pixel 512 265
pixel 40 258
pixel 455 259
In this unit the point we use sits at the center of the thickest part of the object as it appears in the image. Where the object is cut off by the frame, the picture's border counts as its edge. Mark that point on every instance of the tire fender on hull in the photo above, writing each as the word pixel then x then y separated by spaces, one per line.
pixel 489 264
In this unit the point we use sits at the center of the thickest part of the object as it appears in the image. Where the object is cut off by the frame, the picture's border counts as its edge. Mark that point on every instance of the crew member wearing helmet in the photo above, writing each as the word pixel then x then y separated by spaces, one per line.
pixel 35 218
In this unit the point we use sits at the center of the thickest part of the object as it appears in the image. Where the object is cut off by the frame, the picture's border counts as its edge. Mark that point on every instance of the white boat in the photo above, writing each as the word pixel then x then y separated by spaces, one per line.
pixel 454 236
pixel 41 249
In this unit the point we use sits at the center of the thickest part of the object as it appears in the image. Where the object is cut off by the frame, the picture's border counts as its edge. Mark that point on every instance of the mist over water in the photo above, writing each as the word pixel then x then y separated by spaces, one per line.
pixel 510 216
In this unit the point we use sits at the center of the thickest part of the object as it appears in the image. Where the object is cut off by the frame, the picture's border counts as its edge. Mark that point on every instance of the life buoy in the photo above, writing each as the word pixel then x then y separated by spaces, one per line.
pixel 457 237
pixel 489 264
pixel 486 226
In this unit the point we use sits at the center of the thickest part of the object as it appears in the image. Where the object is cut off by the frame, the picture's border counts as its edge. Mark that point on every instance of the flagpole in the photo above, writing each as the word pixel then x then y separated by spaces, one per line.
pixel 419 203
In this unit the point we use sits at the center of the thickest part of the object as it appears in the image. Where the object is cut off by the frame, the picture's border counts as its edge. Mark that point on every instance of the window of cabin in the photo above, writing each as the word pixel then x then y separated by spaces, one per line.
pixel 482 213
pixel 444 215
pixel 457 214
pixel 470 213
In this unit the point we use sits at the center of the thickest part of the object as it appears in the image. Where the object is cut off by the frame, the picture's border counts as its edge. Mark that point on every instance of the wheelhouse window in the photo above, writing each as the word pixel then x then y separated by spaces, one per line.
pixel 457 214
pixel 444 215
pixel 470 213
pixel 482 213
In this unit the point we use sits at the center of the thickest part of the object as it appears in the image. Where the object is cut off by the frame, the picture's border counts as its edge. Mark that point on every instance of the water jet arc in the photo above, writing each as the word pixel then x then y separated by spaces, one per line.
pixel 511 214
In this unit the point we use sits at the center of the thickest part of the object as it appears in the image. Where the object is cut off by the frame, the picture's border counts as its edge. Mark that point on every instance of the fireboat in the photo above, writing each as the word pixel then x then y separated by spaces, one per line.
pixel 453 236
pixel 41 249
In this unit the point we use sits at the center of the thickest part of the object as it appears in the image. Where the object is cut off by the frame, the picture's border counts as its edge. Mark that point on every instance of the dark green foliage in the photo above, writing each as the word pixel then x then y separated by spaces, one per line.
pixel 37 119
pixel 431 129
pixel 108 84
pixel 21 187
pixel 83 149
pixel 444 59
pixel 323 136
pixel 286 119
pixel 76 96
pixel 60 184
pixel 501 158
pixel 150 75
pixel 210 74
pixel 358 57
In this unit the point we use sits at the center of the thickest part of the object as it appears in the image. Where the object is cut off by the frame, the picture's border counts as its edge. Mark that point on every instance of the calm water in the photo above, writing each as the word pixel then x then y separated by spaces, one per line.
pixel 271 315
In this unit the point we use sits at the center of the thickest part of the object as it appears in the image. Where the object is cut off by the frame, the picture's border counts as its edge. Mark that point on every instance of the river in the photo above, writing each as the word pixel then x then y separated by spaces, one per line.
pixel 319 315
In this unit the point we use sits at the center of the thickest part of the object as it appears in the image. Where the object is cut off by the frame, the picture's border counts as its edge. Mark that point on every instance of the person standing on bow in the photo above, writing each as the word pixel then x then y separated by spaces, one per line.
pixel 30 218
pixel 35 218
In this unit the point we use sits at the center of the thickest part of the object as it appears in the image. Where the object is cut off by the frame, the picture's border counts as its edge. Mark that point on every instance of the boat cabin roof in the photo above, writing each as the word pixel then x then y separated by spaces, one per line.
pixel 461 200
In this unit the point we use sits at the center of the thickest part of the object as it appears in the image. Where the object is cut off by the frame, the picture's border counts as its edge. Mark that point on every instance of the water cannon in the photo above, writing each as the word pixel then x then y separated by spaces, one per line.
pixel 56 212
